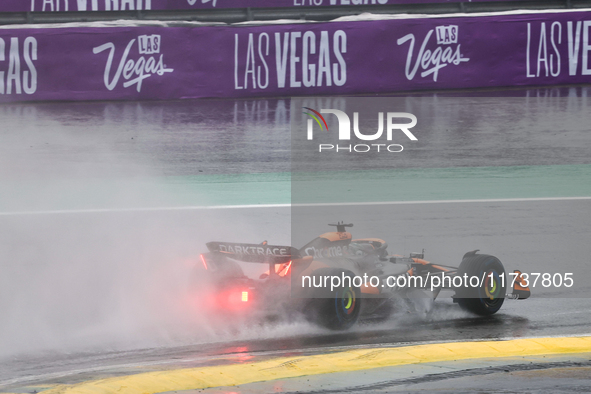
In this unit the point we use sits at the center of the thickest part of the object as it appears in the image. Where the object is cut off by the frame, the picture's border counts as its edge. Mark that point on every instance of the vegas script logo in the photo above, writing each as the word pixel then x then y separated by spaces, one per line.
pixel 150 62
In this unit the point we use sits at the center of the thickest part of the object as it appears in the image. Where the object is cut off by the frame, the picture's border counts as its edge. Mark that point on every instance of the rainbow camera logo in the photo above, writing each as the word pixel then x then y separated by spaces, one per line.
pixel 315 116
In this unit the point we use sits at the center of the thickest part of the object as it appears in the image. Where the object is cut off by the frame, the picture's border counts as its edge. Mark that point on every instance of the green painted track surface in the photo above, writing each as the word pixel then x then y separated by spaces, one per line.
pixel 458 183
pixel 424 184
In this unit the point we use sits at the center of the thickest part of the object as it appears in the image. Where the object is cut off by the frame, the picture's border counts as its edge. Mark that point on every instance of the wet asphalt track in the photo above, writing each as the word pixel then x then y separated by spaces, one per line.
pixel 95 140
pixel 548 313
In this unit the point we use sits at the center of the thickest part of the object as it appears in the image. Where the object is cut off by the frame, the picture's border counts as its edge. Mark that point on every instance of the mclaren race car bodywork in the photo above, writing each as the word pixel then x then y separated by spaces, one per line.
pixel 335 280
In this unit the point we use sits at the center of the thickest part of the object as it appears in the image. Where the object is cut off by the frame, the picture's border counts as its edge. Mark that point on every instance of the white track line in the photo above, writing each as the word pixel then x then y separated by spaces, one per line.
pixel 341 204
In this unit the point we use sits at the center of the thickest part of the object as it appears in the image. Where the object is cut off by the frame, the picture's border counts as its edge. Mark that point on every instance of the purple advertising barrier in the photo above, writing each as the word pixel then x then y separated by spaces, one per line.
pixel 338 58
pixel 123 5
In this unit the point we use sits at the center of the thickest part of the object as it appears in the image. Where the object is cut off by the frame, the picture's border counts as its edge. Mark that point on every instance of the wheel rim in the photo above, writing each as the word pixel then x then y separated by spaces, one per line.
pixel 349 301
pixel 492 288
pixel 492 285
pixel 345 305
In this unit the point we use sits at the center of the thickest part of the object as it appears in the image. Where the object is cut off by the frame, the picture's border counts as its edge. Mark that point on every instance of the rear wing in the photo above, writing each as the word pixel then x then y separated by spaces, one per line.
pixel 255 253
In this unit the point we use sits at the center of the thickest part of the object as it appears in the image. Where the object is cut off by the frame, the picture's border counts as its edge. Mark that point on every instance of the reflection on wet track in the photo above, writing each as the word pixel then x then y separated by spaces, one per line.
pixel 446 323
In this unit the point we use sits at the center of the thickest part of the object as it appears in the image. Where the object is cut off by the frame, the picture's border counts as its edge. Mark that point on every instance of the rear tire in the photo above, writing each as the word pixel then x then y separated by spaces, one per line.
pixel 336 310
pixel 487 299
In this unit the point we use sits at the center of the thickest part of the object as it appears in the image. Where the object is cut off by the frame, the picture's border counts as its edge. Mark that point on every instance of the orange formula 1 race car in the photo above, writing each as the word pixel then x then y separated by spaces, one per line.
pixel 335 280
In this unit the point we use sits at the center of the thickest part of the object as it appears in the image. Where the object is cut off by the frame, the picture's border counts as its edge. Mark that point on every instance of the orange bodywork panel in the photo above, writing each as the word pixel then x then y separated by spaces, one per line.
pixel 365 289
pixel 520 283
pixel 285 268
pixel 336 236
pixel 520 288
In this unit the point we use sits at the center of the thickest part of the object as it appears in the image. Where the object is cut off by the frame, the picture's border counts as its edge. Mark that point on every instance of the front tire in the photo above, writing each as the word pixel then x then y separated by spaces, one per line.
pixel 488 298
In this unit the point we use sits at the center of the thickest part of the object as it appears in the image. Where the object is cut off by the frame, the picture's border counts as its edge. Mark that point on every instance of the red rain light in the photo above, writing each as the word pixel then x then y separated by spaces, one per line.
pixel 203 261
